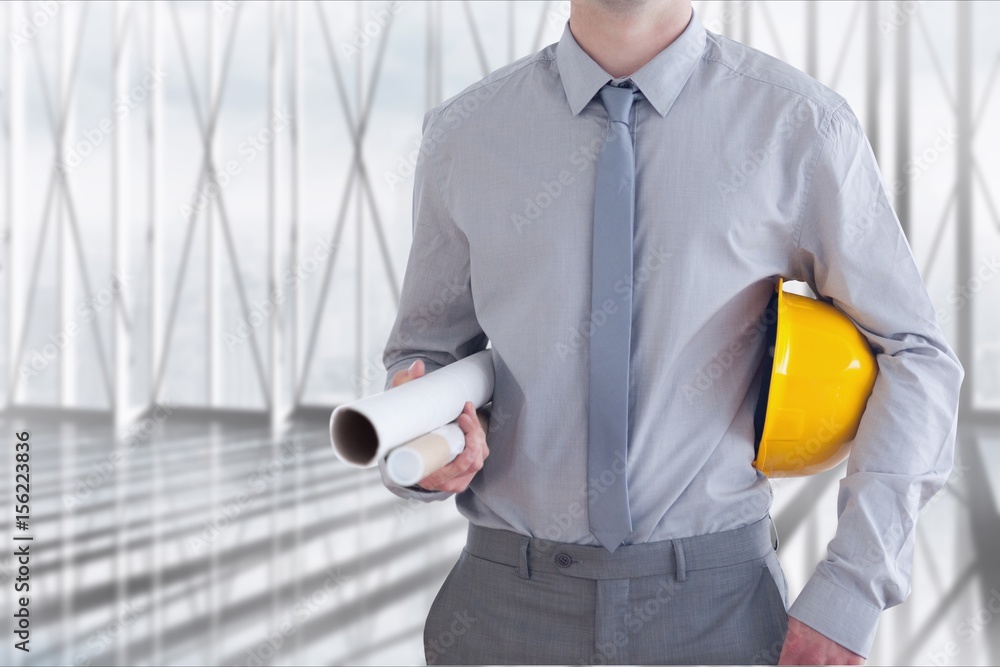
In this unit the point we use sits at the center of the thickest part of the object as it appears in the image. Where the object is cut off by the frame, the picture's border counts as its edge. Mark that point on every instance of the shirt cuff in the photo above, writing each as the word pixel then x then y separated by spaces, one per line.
pixel 837 614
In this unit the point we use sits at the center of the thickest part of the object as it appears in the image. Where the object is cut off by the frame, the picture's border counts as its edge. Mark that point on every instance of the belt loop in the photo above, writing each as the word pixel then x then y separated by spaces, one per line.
pixel 679 560
pixel 522 568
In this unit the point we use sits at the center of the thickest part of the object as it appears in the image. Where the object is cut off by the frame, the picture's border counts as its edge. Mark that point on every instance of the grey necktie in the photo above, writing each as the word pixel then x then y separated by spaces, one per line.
pixel 611 324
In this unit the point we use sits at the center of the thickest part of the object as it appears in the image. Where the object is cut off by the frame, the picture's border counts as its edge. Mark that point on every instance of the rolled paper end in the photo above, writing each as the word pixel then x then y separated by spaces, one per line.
pixel 355 440
pixel 405 466
pixel 408 464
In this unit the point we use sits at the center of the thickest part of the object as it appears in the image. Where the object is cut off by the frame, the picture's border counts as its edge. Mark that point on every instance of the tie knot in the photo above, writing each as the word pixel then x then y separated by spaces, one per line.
pixel 618 101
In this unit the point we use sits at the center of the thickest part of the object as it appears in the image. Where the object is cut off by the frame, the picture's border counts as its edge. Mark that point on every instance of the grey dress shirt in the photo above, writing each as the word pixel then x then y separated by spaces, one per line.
pixel 746 170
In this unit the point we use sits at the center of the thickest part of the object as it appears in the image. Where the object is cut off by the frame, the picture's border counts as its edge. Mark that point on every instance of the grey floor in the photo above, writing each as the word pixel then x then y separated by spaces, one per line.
pixel 219 544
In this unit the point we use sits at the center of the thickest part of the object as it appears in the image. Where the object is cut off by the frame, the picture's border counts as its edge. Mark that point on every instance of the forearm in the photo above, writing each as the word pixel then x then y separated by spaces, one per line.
pixel 852 251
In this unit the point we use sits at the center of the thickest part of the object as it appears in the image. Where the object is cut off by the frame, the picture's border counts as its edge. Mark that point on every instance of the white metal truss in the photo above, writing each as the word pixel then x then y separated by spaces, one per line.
pixel 283 371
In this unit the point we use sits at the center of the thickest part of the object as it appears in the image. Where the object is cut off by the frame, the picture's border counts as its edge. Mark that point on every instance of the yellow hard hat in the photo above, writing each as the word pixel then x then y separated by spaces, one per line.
pixel 813 395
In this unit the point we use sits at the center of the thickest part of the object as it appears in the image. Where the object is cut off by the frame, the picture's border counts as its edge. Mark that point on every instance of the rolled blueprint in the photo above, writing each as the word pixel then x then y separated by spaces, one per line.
pixel 365 430
pixel 411 462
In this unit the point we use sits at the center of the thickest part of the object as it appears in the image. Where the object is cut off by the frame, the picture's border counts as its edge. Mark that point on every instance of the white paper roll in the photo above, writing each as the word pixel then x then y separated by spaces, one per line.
pixel 365 430
pixel 412 461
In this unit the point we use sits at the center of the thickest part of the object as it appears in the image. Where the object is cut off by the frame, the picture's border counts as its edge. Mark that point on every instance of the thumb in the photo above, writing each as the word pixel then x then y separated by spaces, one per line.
pixel 415 370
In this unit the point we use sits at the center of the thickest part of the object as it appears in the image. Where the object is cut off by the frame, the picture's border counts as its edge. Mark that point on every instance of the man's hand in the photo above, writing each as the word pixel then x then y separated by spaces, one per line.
pixel 456 476
pixel 805 646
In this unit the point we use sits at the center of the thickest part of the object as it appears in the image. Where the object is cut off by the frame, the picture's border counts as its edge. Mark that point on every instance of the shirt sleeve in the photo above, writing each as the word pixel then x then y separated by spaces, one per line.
pixel 852 252
pixel 436 320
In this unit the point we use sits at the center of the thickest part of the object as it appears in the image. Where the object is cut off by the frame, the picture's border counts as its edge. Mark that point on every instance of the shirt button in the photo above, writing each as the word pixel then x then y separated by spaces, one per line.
pixel 563 560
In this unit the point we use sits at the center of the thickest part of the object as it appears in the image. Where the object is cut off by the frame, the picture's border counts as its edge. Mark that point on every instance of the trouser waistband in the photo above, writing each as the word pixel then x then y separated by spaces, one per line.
pixel 674 557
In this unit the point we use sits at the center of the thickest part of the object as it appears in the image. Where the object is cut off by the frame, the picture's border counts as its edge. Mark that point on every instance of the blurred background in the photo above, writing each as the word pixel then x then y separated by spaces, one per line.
pixel 205 220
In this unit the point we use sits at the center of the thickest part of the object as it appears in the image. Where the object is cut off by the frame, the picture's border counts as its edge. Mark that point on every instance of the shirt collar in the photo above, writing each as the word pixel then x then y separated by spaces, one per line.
pixel 660 80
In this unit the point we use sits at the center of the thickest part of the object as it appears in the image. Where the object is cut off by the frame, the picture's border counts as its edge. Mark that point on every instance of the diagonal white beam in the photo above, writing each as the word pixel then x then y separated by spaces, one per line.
pixel 325 285
pixel 58 181
pixel 987 89
pixel 476 39
pixel 984 188
pixel 207 166
pixel 938 235
pixel 772 30
pixel 536 43
pixel 936 62
pixel 852 28
pixel 357 132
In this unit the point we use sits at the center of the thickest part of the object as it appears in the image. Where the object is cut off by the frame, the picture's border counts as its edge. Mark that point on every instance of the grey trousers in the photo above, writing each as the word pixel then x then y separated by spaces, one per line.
pixel 711 599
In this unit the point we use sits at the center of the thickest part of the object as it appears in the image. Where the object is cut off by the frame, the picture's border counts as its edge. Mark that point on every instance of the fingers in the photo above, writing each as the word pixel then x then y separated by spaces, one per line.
pixel 415 370
pixel 467 421
pixel 473 429
pixel 457 475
